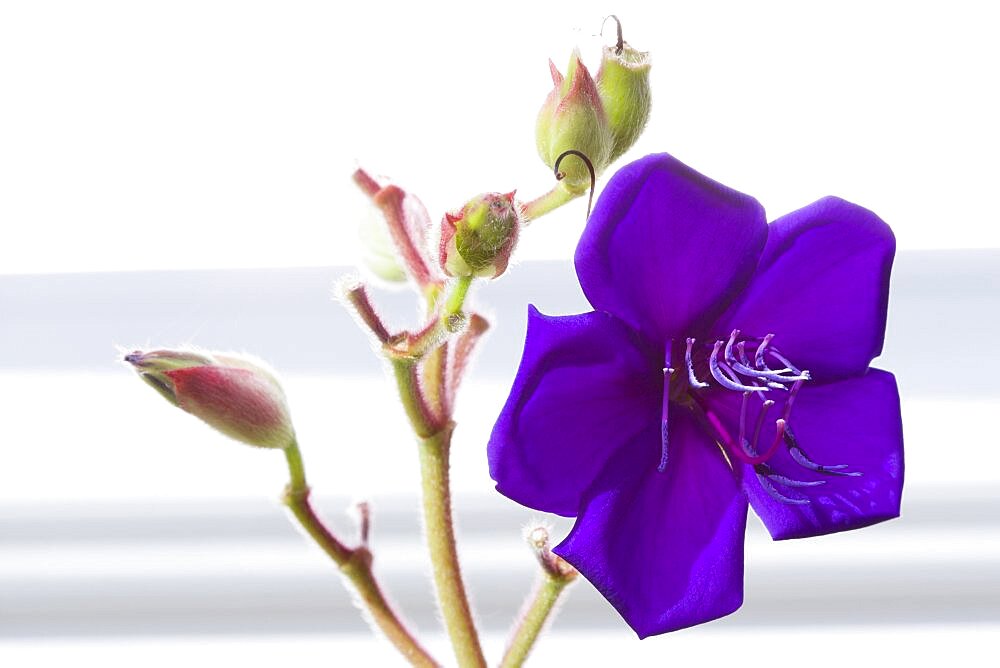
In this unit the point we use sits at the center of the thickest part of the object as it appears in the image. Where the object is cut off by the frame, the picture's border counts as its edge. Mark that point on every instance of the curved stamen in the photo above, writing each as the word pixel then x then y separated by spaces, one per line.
pixel 766 406
pixel 748 448
pixel 758 358
pixel 729 346
pixel 765 483
pixel 792 482
pixel 773 375
pixel 741 349
pixel 756 460
pixel 746 370
pixel 713 365
pixel 794 392
pixel 796 452
pixel 781 358
pixel 747 452
pixel 692 379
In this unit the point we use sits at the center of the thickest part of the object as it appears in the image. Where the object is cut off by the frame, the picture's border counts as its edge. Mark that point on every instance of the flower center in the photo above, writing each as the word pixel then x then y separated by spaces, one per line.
pixel 754 368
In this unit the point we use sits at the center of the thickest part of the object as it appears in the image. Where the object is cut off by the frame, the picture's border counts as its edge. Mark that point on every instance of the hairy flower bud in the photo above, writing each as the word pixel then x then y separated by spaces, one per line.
pixel 623 84
pixel 573 118
pixel 232 394
pixel 479 239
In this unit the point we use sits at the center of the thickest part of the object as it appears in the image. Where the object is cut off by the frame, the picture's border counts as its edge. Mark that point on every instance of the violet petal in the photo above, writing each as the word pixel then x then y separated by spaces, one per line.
pixel 666 549
pixel 854 422
pixel 583 389
pixel 822 288
pixel 667 249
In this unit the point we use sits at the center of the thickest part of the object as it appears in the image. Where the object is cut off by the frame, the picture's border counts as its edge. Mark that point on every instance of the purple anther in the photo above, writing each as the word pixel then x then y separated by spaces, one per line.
pixel 769 374
pixel 664 445
pixel 729 347
pixel 781 358
pixel 741 350
pixel 743 367
pixel 834 469
pixel 778 496
pixel 664 414
pixel 692 379
pixel 758 358
pixel 713 365
pixel 792 482
pixel 803 460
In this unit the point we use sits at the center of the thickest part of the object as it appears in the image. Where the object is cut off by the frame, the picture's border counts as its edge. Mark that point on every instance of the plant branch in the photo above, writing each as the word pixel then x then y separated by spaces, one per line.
pixel 555 576
pixel 435 445
pixel 354 563
pixel 547 203
pixel 440 531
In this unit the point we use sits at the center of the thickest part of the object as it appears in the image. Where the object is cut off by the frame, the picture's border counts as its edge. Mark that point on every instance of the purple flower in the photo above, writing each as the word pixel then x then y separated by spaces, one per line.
pixel 726 362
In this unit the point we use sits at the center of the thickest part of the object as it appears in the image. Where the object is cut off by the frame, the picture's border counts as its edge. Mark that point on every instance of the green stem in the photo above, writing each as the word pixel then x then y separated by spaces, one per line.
pixel 354 563
pixel 408 380
pixel 417 346
pixel 435 444
pixel 548 202
pixel 533 618
pixel 456 298
pixel 439 527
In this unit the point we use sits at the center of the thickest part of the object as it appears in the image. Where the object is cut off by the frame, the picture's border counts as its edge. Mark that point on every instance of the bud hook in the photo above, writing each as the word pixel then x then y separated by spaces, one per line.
pixel 590 168
pixel 621 42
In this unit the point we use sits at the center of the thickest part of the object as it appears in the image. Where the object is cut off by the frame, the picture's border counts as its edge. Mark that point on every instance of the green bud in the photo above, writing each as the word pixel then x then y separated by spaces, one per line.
pixel 623 84
pixel 479 239
pixel 573 118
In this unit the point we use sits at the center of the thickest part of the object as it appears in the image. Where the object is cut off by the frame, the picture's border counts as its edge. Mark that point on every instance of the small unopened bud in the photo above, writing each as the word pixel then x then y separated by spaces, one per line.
pixel 479 239
pixel 538 540
pixel 573 118
pixel 232 394
pixel 623 84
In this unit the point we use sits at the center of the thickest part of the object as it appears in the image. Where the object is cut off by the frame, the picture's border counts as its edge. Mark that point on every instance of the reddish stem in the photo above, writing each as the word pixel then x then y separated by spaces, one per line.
pixel 358 296
pixel 390 200
pixel 365 181
pixel 464 347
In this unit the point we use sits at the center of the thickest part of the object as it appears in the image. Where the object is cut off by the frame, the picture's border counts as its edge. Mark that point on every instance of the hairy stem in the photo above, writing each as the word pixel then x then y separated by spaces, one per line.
pixel 435 444
pixel 421 417
pixel 548 202
pixel 535 614
pixel 439 527
pixel 354 563
pixel 456 298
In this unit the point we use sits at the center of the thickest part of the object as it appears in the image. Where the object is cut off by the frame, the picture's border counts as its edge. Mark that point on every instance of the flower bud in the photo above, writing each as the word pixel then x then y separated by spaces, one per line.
pixel 232 394
pixel 573 118
pixel 479 239
pixel 623 84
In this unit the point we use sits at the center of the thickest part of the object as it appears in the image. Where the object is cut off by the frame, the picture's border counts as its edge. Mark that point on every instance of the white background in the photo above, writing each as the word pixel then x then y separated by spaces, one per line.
pixel 140 135
pixel 214 135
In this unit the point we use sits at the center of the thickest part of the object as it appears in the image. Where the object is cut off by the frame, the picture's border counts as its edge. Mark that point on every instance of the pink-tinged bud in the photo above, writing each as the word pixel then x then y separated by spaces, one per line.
pixel 238 397
pixel 573 118
pixel 479 239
